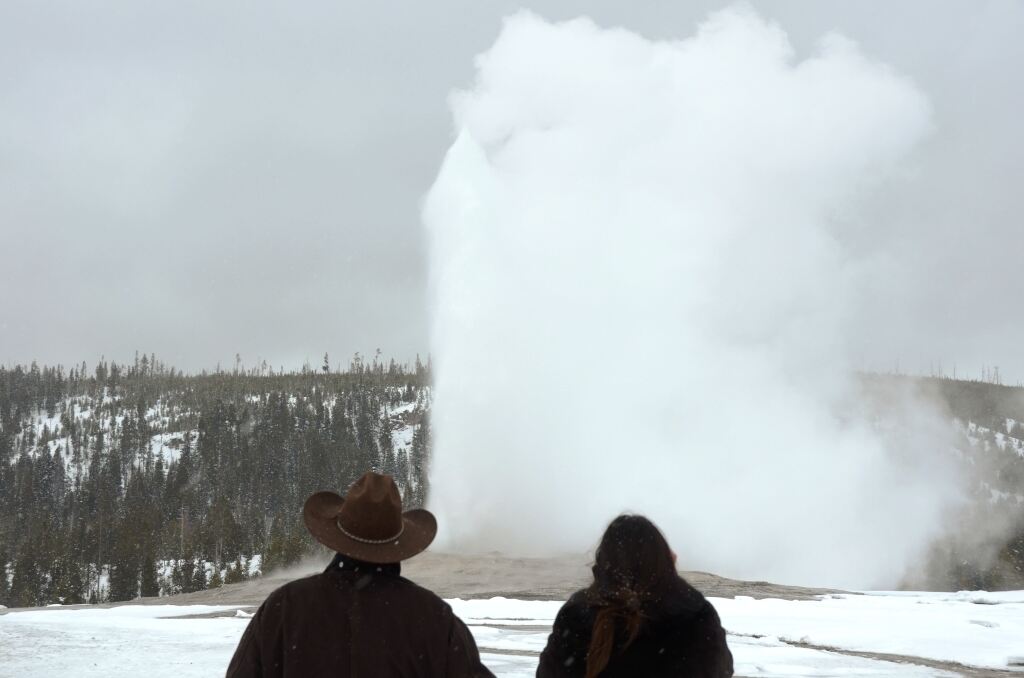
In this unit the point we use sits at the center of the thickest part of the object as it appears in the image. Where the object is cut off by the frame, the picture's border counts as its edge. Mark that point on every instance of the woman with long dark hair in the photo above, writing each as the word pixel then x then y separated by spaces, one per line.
pixel 639 618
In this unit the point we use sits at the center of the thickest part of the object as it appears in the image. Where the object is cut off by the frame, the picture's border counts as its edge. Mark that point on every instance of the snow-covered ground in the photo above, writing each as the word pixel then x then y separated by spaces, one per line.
pixel 978 629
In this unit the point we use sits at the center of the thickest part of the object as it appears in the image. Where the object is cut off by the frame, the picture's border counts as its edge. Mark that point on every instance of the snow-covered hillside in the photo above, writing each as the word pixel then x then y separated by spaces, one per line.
pixel 139 480
pixel 162 424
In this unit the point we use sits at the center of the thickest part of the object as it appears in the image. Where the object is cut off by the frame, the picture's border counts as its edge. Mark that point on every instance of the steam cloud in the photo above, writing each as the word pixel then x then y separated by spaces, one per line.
pixel 643 302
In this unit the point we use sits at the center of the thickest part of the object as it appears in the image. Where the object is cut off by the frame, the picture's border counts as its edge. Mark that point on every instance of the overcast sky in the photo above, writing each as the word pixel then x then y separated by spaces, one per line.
pixel 199 179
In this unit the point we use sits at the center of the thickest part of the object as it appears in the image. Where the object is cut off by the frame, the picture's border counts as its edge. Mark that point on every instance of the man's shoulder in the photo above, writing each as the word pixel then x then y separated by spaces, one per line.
pixel 297 588
pixel 318 584
pixel 422 595
pixel 410 585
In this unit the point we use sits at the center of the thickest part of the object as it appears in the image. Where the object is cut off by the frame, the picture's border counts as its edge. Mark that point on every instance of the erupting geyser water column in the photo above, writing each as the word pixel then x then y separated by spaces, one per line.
pixel 643 300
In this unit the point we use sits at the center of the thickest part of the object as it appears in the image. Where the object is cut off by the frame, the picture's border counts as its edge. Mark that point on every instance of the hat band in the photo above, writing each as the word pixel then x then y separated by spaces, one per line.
pixel 361 540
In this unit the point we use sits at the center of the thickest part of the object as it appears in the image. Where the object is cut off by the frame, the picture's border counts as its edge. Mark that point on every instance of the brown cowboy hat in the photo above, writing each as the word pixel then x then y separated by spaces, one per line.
pixel 368 523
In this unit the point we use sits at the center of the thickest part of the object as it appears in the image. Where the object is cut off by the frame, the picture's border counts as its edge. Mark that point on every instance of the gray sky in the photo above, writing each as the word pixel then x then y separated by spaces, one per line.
pixel 197 179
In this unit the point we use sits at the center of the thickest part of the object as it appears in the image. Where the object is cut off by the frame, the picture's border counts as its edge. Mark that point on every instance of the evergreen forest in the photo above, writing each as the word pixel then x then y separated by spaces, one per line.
pixel 130 480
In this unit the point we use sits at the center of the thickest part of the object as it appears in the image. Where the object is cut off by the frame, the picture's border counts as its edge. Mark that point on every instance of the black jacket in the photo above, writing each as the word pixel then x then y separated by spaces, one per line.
pixel 681 637
pixel 356 620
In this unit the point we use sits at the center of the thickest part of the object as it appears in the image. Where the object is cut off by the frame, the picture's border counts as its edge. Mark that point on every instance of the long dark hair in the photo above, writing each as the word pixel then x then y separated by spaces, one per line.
pixel 633 569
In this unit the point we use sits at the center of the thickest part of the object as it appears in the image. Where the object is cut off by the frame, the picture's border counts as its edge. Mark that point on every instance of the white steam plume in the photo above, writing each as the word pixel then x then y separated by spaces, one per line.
pixel 642 301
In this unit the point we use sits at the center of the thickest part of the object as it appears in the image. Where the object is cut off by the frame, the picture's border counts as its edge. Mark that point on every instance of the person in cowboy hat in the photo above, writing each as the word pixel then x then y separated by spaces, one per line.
pixel 359 617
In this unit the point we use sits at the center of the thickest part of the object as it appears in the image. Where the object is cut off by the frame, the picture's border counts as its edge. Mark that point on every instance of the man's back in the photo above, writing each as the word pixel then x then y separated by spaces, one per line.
pixel 360 621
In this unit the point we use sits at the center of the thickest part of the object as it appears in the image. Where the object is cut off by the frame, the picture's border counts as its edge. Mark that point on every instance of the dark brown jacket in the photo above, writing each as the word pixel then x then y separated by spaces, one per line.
pixel 681 637
pixel 356 620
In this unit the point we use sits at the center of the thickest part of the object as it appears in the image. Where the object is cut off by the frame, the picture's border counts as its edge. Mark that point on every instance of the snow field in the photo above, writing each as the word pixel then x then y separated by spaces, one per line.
pixel 974 628
pixel 984 629
pixel 128 640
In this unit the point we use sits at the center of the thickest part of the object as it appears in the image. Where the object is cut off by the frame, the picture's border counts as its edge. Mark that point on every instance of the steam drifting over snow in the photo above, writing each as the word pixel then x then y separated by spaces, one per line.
pixel 643 302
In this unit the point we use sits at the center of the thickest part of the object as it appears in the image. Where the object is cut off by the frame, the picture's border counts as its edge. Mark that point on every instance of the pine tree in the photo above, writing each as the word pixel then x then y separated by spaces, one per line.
pixel 274 553
pixel 295 545
pixel 149 580
pixel 124 580
pixel 419 463
pixel 199 577
pixel 68 587
pixel 402 470
pixel 235 573
pixel 386 444
pixel 26 583
pixel 178 578
pixel 5 587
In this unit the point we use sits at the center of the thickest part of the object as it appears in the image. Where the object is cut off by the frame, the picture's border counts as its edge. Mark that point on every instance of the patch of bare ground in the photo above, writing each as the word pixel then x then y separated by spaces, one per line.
pixel 480 576
pixel 486 576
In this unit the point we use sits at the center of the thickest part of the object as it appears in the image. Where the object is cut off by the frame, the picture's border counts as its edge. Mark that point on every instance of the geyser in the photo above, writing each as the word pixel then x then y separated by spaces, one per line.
pixel 642 301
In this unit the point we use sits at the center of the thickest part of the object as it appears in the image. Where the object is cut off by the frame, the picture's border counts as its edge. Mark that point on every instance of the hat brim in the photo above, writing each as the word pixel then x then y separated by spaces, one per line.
pixel 320 513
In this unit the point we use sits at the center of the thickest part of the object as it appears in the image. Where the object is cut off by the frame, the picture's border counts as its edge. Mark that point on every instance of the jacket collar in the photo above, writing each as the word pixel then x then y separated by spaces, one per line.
pixel 346 564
